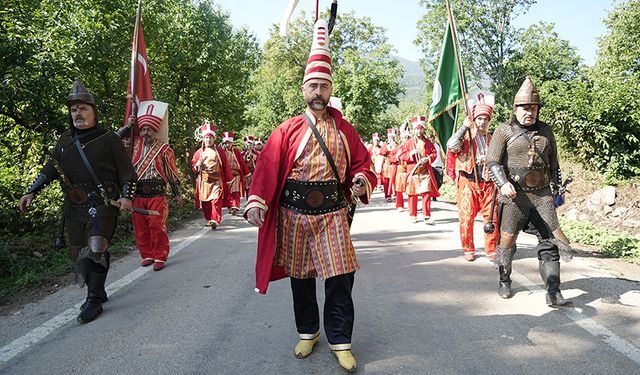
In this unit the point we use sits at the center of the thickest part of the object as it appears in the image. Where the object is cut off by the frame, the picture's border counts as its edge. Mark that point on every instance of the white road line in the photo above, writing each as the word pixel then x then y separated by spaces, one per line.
pixel 586 323
pixel 22 343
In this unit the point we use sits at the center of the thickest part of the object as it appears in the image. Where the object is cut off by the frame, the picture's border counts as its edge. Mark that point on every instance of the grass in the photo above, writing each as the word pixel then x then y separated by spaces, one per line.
pixel 29 260
pixel 610 243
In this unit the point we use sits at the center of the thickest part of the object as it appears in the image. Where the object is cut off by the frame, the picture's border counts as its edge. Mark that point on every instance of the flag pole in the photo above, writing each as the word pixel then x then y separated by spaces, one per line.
pixel 454 36
pixel 134 74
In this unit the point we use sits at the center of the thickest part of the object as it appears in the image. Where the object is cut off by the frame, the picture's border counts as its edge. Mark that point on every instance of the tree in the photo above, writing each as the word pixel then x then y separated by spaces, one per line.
pixel 199 64
pixel 486 35
pixel 598 112
pixel 365 75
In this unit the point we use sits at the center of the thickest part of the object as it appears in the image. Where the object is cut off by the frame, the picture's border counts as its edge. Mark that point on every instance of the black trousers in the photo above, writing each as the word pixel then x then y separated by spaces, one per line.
pixel 338 308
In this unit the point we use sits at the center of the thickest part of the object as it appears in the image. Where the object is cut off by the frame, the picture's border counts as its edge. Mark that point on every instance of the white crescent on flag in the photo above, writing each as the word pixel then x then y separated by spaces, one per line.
pixel 142 61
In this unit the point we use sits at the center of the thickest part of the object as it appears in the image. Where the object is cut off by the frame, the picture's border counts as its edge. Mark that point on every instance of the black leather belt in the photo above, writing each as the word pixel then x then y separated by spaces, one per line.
pixel 78 195
pixel 530 178
pixel 472 177
pixel 150 188
pixel 312 197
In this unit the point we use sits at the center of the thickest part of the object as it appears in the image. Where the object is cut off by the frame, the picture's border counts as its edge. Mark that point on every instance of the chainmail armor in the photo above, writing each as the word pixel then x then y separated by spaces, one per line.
pixel 508 151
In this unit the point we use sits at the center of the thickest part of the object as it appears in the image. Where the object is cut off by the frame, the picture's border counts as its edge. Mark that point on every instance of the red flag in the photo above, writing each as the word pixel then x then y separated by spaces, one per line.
pixel 139 73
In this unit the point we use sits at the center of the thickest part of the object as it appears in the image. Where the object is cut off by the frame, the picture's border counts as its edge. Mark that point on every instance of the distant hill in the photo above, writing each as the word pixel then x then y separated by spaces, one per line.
pixel 413 80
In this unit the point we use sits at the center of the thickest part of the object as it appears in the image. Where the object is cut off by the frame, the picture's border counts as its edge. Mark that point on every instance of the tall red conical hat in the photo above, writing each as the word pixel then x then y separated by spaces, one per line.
pixel 319 62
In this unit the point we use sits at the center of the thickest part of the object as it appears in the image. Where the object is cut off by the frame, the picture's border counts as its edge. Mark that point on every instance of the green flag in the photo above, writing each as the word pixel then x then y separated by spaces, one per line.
pixel 446 90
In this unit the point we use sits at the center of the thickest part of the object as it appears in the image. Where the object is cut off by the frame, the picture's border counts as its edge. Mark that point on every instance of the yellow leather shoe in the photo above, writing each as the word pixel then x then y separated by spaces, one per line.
pixel 346 360
pixel 305 347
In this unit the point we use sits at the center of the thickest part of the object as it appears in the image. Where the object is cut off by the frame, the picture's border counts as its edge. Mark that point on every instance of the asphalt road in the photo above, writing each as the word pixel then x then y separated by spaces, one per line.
pixel 420 309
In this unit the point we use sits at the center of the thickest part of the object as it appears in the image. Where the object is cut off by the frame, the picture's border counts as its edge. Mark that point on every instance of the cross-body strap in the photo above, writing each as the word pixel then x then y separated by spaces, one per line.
pixel 90 168
pixel 324 148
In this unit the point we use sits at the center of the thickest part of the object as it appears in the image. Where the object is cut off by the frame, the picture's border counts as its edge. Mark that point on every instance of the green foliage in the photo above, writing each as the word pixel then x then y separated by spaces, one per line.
pixel 365 75
pixel 597 113
pixel 198 62
pixel 486 35
pixel 611 243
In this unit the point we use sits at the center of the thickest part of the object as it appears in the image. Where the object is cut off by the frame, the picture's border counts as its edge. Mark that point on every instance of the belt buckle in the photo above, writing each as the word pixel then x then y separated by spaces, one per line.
pixel 533 178
pixel 315 198
pixel 78 196
pixel 146 189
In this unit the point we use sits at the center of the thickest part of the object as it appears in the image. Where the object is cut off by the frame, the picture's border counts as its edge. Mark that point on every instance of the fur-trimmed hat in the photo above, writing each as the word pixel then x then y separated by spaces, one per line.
pixel 227 137
pixel 418 122
pixel 208 128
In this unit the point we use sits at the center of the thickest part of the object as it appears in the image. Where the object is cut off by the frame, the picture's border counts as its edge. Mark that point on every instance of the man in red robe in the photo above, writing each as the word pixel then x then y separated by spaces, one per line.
pixel 155 164
pixel 212 167
pixel 301 209
pixel 240 173
pixel 387 166
pixel 419 152
pixel 475 189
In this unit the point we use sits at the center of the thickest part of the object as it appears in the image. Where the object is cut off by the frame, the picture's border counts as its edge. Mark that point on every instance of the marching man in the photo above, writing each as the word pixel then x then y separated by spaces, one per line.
pixel 155 164
pixel 475 188
pixel 419 152
pixel 211 165
pixel 240 173
pixel 301 208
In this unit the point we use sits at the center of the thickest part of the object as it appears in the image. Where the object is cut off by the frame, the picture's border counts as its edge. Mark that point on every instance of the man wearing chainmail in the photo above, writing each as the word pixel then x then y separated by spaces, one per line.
pixel 89 217
pixel 523 161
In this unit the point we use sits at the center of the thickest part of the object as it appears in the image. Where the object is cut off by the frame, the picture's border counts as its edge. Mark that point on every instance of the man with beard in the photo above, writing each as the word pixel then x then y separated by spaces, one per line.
pixel 523 161
pixel 85 153
pixel 475 189
pixel 212 167
pixel 240 174
pixel 301 208
pixel 155 164
pixel 418 152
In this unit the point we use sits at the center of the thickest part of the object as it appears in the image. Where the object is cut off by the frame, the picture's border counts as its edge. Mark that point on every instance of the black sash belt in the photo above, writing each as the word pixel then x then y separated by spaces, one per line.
pixel 312 197
pixel 150 188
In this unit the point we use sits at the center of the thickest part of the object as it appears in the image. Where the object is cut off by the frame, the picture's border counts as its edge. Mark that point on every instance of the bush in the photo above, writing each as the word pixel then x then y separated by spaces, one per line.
pixel 610 243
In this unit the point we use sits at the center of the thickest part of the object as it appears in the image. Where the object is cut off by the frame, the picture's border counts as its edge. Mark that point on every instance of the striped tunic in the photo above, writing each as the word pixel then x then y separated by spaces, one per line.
pixel 316 245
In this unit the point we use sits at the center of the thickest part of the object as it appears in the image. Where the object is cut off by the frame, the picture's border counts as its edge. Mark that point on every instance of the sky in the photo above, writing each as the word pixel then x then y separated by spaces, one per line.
pixel 578 21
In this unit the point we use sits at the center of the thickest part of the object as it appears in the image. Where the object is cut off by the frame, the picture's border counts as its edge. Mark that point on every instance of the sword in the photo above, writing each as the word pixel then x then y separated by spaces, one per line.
pixel 136 209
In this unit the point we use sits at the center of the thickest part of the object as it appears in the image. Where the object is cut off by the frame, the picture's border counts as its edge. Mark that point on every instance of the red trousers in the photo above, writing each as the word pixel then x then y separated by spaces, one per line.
pixel 234 200
pixel 212 210
pixel 150 231
pixel 399 200
pixel 385 187
pixel 426 204
pixel 474 198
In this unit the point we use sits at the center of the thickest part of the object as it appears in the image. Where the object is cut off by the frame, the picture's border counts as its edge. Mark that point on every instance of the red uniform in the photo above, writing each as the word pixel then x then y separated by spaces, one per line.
pixel 212 188
pixel 239 175
pixel 155 166
pixel 413 151
pixel 474 194
pixel 285 145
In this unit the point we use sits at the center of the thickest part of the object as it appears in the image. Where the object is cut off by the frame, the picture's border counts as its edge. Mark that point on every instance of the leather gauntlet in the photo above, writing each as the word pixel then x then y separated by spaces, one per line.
pixel 498 174
pixel 39 183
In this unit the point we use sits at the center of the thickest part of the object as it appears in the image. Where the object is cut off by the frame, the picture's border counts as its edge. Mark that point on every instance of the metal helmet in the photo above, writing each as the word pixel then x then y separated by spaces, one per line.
pixel 80 94
pixel 527 94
